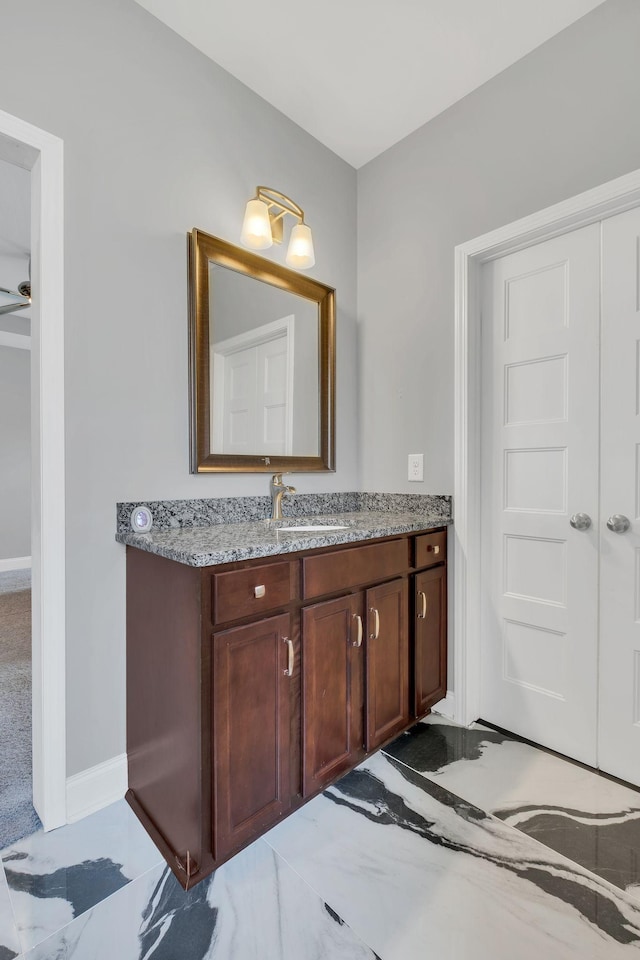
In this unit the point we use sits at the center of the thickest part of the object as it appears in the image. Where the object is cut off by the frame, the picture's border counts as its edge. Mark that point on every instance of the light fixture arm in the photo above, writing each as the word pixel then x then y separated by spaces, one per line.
pixel 273 198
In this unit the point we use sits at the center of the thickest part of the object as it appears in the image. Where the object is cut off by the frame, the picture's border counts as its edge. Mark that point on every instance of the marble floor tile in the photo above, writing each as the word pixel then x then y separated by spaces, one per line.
pixel 582 815
pixel 253 908
pixel 406 863
pixel 54 877
pixel 9 941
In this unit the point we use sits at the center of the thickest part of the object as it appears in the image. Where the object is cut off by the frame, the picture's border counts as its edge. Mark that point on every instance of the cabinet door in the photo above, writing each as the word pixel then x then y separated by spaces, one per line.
pixel 387 661
pixel 251 730
pixel 332 637
pixel 430 652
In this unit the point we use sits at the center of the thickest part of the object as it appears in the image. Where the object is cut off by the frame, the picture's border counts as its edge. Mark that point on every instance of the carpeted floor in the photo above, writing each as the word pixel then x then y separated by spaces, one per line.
pixel 17 816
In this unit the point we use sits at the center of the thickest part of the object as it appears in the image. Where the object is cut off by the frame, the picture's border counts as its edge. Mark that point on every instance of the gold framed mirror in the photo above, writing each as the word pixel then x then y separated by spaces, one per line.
pixel 262 363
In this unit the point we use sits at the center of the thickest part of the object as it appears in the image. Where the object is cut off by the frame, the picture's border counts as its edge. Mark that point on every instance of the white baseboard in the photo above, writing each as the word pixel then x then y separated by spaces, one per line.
pixel 447 707
pixel 15 563
pixel 97 787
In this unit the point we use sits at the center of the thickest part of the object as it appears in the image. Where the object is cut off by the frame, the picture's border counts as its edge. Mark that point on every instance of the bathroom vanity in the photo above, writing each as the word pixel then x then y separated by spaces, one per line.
pixel 253 684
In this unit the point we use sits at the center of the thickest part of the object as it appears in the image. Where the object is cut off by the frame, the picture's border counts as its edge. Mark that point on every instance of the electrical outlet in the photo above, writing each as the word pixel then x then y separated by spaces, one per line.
pixel 416 466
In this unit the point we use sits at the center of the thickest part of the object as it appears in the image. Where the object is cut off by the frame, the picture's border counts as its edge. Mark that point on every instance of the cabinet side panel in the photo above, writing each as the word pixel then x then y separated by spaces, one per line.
pixel 163 697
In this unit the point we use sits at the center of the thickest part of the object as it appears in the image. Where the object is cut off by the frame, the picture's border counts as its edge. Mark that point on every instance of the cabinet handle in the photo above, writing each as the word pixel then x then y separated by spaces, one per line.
pixel 259 591
pixel 358 620
pixel 376 632
pixel 289 671
pixel 423 612
pixel 432 549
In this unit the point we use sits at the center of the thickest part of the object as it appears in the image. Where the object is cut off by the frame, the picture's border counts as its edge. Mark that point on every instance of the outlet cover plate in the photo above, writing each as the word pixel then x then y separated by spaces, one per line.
pixel 415 469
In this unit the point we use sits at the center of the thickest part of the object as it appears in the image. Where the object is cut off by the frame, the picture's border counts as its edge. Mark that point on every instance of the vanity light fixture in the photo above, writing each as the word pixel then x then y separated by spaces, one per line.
pixel 263 224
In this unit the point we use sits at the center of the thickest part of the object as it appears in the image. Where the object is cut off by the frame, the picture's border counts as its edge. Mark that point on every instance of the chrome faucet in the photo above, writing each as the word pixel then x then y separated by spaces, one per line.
pixel 277 490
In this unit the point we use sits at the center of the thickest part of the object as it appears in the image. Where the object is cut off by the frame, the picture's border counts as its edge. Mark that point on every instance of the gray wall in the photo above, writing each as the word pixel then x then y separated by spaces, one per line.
pixel 157 140
pixel 15 453
pixel 562 120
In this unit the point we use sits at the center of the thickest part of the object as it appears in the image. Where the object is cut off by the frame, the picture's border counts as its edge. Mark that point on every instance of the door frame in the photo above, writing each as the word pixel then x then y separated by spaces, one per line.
pixel 610 198
pixel 42 154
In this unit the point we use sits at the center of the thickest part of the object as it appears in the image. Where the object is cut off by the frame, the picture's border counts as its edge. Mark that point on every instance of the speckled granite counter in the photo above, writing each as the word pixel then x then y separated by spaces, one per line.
pixel 200 545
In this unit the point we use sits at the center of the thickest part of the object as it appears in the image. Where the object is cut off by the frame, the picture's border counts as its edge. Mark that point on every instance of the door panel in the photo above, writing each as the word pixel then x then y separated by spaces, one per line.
pixel 331 690
pixel 387 661
pixel 619 727
pixel 430 626
pixel 540 330
pixel 251 730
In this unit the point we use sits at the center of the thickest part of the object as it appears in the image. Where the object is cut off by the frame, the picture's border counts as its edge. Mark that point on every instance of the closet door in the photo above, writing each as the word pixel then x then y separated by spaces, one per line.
pixel 619 725
pixel 540 330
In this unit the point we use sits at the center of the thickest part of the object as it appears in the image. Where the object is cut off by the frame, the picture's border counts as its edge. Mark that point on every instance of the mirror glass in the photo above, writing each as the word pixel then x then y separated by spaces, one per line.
pixel 264 370
pixel 262 363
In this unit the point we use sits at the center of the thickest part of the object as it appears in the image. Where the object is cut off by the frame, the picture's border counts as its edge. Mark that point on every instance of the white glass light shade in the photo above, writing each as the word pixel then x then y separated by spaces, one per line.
pixel 256 229
pixel 300 253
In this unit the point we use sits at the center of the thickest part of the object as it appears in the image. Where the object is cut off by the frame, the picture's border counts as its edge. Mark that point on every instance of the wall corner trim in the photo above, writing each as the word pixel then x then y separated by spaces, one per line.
pixel 97 787
pixel 15 563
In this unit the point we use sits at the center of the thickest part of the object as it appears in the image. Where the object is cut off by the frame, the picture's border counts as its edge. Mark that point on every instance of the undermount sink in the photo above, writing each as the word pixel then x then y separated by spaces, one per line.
pixel 309 527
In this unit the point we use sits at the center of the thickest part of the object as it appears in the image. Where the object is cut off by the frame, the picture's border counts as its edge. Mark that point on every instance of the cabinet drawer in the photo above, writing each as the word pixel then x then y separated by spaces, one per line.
pixel 352 567
pixel 250 592
pixel 431 548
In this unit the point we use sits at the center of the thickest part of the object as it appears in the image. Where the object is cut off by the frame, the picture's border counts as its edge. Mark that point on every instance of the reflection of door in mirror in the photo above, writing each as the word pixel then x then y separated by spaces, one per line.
pixel 264 368
pixel 252 377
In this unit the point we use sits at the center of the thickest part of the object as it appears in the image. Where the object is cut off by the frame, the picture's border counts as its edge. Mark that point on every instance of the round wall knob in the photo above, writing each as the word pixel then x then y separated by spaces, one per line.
pixel 580 521
pixel 618 523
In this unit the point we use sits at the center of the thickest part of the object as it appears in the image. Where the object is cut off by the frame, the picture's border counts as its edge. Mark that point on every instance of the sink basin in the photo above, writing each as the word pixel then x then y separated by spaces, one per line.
pixel 312 527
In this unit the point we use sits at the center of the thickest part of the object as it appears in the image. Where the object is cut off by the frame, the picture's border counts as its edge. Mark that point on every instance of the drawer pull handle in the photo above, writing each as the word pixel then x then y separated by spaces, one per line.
pixel 423 597
pixel 376 630
pixel 289 671
pixel 358 620
pixel 259 591
pixel 431 548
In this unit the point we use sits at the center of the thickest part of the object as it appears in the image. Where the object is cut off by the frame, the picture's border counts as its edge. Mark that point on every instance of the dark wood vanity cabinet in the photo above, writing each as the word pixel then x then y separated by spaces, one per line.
pixel 254 685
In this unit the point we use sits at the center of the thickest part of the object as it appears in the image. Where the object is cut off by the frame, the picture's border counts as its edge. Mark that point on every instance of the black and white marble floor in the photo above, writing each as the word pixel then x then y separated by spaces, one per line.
pixel 392 862
pixel 588 818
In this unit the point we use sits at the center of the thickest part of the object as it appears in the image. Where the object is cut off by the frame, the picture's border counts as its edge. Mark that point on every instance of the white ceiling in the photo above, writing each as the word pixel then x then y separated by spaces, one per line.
pixel 361 74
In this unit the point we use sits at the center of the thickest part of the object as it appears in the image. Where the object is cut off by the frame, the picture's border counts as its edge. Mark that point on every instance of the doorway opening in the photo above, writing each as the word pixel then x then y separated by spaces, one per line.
pixel 17 815
pixel 38 155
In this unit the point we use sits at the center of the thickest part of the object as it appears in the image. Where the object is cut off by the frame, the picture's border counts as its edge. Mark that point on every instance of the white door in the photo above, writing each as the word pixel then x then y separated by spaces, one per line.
pixel 252 376
pixel 256 402
pixel 619 726
pixel 240 379
pixel 273 400
pixel 540 332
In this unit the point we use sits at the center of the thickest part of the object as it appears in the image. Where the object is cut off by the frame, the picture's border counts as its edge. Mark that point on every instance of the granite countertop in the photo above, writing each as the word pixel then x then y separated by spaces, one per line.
pixel 203 546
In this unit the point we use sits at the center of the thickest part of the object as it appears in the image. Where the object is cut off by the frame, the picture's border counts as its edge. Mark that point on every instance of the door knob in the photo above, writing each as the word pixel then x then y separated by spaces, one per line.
pixel 580 521
pixel 618 523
